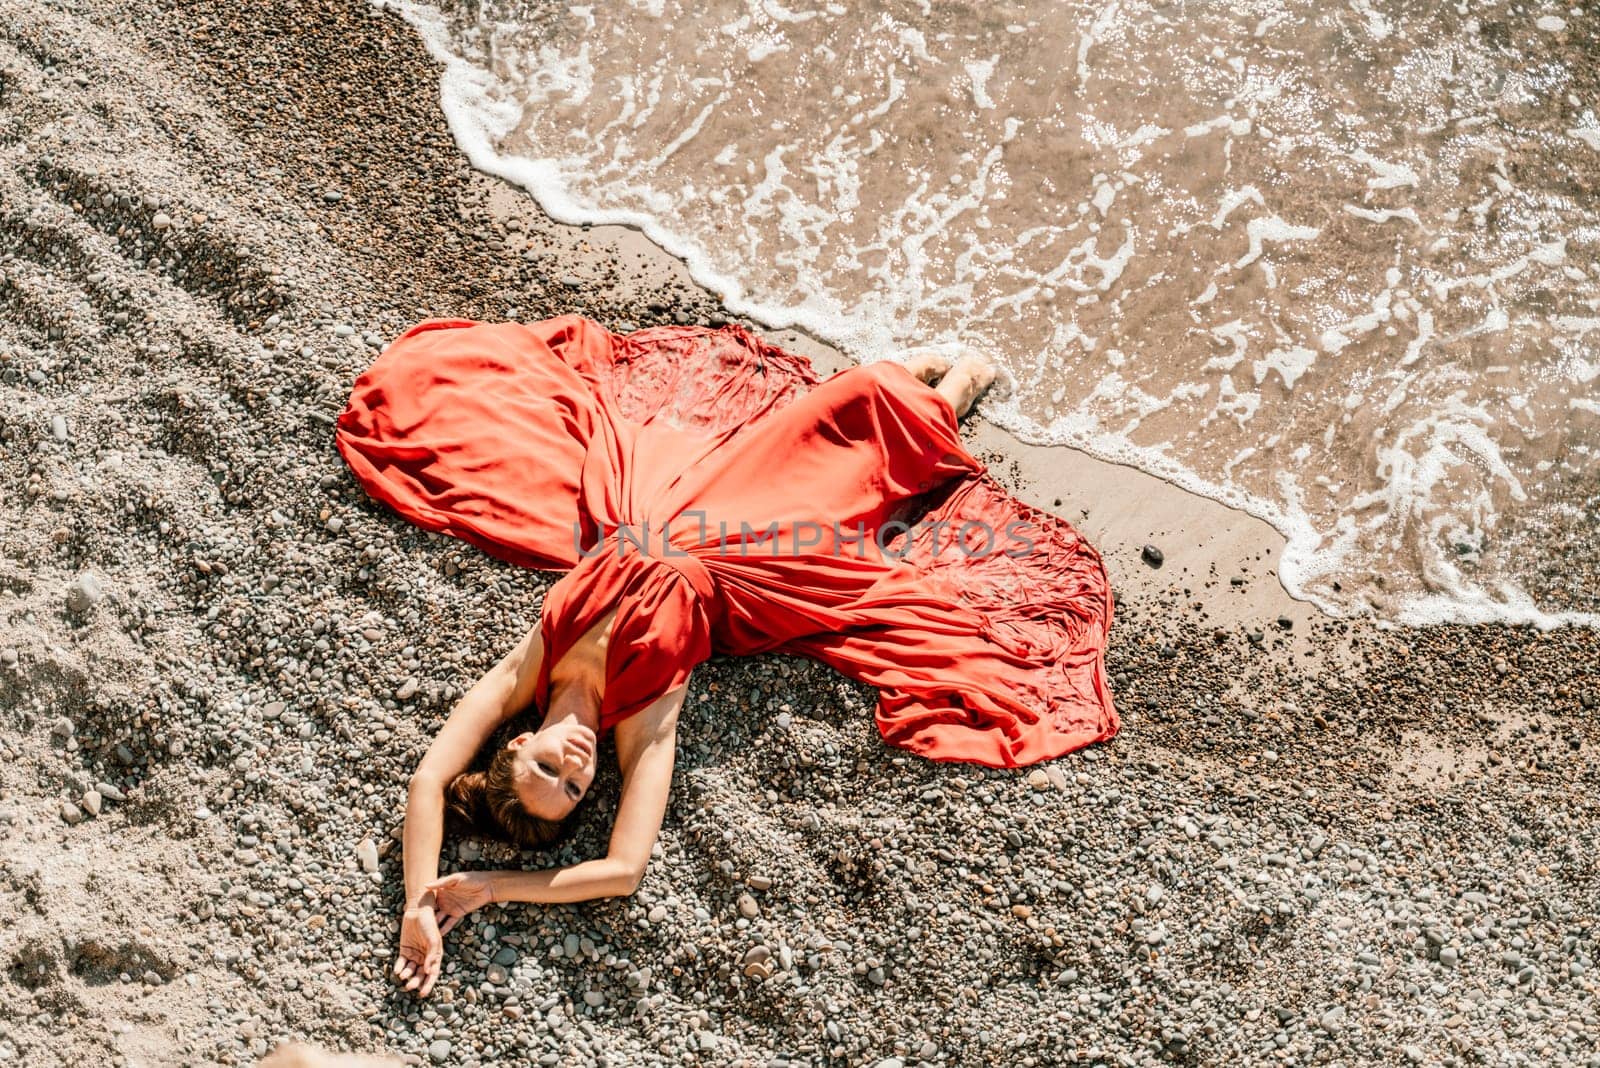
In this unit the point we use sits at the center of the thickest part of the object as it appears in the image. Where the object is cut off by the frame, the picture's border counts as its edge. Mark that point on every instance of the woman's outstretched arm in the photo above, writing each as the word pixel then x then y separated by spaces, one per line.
pixel 646 748
pixel 504 690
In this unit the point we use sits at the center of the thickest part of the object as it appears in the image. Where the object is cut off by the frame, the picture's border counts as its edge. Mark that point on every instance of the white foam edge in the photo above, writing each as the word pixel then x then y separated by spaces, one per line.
pixel 1303 559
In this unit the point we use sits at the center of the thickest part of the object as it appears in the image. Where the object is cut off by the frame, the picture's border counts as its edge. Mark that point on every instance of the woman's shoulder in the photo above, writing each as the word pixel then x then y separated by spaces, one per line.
pixel 655 720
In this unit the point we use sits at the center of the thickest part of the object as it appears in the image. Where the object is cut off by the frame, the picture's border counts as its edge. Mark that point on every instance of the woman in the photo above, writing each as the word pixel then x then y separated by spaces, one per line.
pixel 708 494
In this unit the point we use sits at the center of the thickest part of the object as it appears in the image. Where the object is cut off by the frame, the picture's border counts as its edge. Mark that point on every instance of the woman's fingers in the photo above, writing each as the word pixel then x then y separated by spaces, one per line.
pixel 450 920
pixel 444 880
pixel 429 974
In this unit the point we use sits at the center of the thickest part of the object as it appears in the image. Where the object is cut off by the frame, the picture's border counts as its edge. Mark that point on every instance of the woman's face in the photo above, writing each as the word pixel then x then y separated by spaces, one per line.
pixel 554 767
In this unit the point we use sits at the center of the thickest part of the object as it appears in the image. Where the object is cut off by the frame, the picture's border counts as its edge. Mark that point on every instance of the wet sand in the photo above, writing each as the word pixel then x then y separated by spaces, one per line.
pixel 1314 841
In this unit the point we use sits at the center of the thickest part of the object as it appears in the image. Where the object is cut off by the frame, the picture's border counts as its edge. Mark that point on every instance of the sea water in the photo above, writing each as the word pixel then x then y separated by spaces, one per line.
pixel 1337 264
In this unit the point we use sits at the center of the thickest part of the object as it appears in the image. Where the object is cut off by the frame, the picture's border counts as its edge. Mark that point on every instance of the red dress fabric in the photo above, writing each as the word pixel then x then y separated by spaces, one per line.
pixel 723 500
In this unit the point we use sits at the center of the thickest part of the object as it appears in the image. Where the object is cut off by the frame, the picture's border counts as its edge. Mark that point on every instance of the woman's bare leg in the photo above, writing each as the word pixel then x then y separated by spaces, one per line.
pixel 966 381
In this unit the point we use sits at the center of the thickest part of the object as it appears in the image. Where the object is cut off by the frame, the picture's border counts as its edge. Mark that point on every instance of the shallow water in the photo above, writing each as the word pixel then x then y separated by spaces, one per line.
pixel 1334 264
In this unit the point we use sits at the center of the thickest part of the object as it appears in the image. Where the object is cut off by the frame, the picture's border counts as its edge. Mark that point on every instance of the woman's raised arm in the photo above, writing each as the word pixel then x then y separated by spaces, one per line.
pixel 504 690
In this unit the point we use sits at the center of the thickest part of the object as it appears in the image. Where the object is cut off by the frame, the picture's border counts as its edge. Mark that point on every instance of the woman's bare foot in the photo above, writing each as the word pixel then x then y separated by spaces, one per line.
pixel 928 366
pixel 966 381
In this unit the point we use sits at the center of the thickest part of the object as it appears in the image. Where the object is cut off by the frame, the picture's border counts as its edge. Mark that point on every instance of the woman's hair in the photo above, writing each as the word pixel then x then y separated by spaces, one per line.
pixel 486 803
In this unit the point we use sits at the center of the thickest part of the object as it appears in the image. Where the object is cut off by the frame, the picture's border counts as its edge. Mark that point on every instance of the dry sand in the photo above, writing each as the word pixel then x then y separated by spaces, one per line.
pixel 1313 842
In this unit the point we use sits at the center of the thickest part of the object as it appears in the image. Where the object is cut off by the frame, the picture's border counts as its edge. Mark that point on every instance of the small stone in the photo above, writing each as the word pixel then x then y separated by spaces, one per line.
pixel 1038 779
pixel 91 802
pixel 593 998
pixel 1551 23
pixel 58 427
pixel 1448 956
pixel 1332 1021
pixel 1022 912
pixel 84 593
pixel 1413 1054
pixel 408 689
pixel 657 914
pixel 1153 556
pixel 333 196
pixel 161 221
pixel 439 1050
pixel 62 728
pixel 367 853
pixel 110 792
pixel 8 657
pixel 760 882
pixel 70 813
pixel 748 907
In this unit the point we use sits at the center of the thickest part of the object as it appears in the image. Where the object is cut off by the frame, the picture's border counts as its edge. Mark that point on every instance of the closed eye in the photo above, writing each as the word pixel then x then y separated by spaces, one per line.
pixel 574 791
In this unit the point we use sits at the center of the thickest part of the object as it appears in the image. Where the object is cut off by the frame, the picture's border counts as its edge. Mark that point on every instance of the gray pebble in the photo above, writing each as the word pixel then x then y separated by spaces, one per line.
pixel 58 427
pixel 84 593
pixel 439 1050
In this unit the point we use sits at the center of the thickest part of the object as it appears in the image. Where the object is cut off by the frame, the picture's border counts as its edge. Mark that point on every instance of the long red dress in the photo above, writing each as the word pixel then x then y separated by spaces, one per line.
pixel 705 484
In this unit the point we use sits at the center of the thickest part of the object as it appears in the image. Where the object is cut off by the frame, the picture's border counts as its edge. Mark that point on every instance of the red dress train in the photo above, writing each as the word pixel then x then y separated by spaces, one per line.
pixel 708 486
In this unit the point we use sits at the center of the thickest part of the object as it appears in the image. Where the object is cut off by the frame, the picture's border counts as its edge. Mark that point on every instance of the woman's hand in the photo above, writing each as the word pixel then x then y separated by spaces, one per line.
pixel 456 895
pixel 421 950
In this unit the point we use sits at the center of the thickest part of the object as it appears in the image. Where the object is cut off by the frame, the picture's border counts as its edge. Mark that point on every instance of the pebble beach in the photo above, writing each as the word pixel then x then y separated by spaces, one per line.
pixel 1315 841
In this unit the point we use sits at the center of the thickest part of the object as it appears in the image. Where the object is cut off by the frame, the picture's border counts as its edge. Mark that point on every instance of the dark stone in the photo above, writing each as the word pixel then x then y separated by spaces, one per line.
pixel 1153 556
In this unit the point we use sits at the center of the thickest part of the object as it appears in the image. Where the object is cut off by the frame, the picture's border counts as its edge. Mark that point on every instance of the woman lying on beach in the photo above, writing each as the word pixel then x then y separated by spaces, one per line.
pixel 707 494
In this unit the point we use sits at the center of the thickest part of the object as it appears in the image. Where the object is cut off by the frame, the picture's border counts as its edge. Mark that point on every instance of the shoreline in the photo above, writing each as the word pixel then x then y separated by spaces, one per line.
pixel 1314 840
